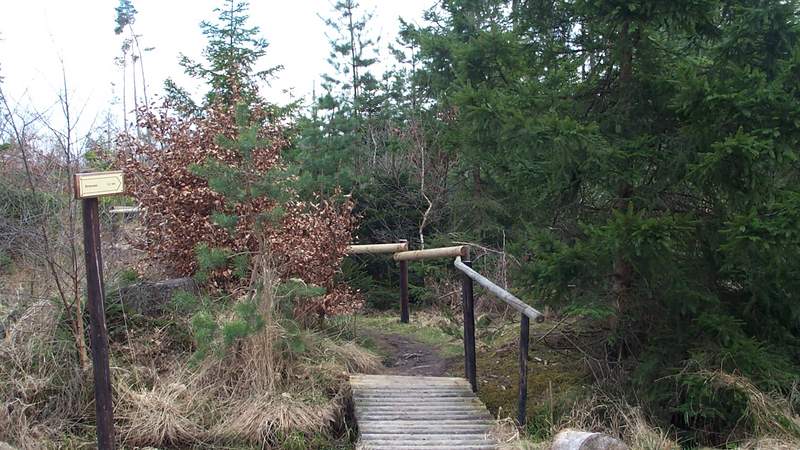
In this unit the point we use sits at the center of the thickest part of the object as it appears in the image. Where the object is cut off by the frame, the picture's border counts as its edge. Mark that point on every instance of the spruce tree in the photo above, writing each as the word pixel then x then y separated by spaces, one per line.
pixel 232 54
pixel 338 137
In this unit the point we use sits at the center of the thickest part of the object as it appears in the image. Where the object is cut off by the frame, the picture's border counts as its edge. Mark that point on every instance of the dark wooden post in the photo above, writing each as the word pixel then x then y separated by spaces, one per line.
pixel 98 334
pixel 524 338
pixel 468 305
pixel 403 291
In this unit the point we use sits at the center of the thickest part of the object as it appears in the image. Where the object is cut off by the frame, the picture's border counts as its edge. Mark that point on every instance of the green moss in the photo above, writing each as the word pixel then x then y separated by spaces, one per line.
pixel 555 379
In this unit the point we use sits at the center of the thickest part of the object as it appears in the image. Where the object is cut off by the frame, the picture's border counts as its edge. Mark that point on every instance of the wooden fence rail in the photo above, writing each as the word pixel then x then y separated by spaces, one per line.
pixel 444 252
pixel 526 314
pixel 376 249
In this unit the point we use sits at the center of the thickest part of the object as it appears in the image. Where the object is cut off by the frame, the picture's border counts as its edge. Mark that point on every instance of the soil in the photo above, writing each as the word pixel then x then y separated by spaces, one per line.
pixel 407 356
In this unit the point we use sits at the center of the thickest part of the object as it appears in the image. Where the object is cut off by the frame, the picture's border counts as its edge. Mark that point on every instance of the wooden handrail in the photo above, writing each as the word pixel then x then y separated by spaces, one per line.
pixel 499 292
pixel 444 252
pixel 526 314
pixel 375 249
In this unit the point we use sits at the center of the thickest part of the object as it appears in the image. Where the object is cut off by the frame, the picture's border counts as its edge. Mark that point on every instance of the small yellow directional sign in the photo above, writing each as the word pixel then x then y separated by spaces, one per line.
pixel 97 184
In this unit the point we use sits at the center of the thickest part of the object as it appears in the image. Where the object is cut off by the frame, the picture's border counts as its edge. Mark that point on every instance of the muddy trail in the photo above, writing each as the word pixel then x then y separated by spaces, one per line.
pixel 404 355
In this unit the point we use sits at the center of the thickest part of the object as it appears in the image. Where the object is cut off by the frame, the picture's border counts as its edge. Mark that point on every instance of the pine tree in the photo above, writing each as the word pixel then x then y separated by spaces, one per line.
pixel 216 187
pixel 352 54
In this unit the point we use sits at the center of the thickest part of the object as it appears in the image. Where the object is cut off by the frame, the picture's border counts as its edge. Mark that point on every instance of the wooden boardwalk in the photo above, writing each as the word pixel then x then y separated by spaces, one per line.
pixel 400 412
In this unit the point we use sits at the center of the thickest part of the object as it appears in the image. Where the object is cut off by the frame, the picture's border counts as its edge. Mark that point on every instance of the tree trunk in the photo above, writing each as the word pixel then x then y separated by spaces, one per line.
pixel 353 60
pixel 623 269
pixel 125 92
pixel 477 182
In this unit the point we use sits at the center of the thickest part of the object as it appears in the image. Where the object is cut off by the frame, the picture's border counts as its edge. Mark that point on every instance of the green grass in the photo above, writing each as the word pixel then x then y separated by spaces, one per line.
pixel 420 328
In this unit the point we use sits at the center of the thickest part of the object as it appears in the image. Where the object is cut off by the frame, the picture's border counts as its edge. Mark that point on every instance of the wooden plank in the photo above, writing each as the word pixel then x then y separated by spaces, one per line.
pixel 410 427
pixel 384 380
pixel 444 252
pixel 396 412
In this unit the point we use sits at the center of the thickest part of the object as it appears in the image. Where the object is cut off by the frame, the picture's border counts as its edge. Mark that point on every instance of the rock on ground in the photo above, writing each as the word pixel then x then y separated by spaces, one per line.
pixel 149 298
pixel 581 440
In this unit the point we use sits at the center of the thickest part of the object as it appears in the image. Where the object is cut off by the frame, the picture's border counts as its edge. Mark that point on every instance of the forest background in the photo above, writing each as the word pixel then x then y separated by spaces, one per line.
pixel 639 159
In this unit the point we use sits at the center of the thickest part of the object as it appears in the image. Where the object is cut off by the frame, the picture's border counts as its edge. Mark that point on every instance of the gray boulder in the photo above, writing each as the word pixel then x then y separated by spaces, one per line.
pixel 151 298
pixel 581 440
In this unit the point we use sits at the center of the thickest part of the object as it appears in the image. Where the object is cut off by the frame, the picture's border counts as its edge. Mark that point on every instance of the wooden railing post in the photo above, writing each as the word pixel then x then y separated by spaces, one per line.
pixel 98 333
pixel 468 305
pixel 403 265
pixel 404 291
pixel 524 337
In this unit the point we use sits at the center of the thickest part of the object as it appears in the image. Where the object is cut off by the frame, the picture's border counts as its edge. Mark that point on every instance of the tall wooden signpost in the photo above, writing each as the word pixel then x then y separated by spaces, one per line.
pixel 88 187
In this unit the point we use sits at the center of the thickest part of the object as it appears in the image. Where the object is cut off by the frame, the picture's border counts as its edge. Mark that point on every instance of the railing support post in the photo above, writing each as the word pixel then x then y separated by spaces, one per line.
pixel 468 305
pixel 403 291
pixel 98 333
pixel 524 338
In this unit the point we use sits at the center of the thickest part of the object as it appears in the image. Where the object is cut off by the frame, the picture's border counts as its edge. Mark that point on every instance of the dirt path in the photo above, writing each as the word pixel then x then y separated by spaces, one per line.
pixel 407 356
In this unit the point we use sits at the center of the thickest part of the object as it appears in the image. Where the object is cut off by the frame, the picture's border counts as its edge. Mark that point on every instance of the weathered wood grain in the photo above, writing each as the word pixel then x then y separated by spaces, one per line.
pixel 397 412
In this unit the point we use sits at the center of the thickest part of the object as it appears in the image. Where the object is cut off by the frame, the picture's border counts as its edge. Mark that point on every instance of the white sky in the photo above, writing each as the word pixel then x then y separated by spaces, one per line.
pixel 34 34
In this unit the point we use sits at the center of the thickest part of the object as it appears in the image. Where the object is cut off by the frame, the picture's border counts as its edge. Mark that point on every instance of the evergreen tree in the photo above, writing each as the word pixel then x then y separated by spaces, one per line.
pixel 233 50
pixel 339 135
pixel 352 54
pixel 644 153
pixel 216 188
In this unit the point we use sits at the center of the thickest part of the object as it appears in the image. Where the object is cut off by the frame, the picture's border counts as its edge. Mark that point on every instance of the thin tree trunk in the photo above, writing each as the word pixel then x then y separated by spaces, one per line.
pixel 141 66
pixel 354 62
pixel 623 269
pixel 125 91
pixel 477 182
pixel 135 96
pixel 83 357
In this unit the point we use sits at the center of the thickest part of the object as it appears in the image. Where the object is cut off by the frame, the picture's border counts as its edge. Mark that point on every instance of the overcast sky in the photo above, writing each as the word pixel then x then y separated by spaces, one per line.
pixel 35 34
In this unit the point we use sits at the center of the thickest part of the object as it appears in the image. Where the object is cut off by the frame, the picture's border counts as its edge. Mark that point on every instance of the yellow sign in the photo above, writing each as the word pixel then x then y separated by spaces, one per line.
pixel 97 184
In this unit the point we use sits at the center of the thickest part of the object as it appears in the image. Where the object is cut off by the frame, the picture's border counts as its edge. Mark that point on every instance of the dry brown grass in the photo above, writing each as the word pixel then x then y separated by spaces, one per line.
pixel 771 444
pixel 771 415
pixel 167 413
pixel 614 416
pixel 262 418
pixel 253 395
pixel 775 426
pixel 40 394
pixel 506 432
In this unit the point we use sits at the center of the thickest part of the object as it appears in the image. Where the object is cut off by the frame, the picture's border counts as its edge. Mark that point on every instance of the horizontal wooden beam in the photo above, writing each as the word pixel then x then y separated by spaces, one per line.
pixel 376 249
pixel 444 252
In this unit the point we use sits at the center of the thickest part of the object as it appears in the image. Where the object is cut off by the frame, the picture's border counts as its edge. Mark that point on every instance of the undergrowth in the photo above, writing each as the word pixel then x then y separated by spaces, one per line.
pixel 259 380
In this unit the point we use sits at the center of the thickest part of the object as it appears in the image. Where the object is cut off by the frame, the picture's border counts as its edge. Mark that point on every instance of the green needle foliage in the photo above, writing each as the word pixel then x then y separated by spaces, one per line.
pixel 641 155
